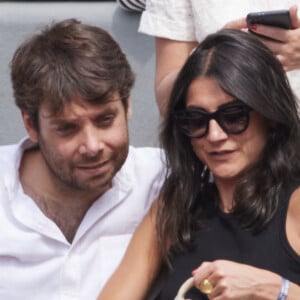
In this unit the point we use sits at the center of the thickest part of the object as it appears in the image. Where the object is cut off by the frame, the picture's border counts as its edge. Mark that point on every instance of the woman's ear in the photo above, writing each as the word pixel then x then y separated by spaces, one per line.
pixel 31 130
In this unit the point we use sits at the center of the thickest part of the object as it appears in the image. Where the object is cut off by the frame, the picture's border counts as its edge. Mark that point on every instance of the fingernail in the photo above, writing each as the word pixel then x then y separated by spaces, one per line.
pixel 253 27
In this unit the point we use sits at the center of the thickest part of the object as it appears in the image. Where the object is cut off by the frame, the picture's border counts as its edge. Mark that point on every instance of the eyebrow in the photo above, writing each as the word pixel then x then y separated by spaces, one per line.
pixel 107 109
pixel 62 120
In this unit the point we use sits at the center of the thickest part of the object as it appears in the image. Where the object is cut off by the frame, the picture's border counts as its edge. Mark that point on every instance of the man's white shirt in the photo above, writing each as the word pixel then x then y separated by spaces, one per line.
pixel 38 263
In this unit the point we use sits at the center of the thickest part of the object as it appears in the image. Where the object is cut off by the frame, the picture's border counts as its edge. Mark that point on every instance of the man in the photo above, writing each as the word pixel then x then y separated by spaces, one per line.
pixel 74 190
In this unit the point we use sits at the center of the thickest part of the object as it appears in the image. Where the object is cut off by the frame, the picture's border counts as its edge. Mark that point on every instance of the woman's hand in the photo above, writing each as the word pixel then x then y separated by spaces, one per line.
pixel 232 280
pixel 284 43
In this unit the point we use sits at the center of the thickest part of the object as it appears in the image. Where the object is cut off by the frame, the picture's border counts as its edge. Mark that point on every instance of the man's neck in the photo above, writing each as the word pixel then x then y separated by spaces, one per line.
pixel 63 206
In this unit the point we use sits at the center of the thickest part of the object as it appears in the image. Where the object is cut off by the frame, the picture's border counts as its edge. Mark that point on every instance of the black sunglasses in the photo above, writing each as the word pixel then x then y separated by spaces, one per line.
pixel 194 122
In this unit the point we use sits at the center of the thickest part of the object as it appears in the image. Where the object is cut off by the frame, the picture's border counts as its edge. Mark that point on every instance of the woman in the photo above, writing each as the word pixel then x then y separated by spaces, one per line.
pixel 229 210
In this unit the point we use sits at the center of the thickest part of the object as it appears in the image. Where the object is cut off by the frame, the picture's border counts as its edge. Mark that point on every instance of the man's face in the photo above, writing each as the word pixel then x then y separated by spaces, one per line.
pixel 84 145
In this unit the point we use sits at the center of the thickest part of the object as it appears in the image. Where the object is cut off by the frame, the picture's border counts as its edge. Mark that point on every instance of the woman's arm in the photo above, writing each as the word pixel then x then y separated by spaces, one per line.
pixel 231 280
pixel 170 57
pixel 135 274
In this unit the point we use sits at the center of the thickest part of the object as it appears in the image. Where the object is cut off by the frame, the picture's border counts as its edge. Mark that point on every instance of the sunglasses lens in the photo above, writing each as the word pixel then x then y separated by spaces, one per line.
pixel 193 124
pixel 234 119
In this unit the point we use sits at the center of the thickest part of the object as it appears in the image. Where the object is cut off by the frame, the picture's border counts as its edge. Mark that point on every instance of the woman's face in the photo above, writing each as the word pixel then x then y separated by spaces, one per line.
pixel 226 155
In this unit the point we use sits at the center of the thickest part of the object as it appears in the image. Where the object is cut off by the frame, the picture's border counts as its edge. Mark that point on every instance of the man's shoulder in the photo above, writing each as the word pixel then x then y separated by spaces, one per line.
pixel 143 173
pixel 8 165
pixel 6 151
pixel 8 147
pixel 10 155
pixel 144 163
pixel 146 155
pixel 141 150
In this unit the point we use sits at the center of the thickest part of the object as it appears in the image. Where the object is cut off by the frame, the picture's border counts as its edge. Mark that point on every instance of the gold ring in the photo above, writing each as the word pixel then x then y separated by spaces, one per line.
pixel 206 287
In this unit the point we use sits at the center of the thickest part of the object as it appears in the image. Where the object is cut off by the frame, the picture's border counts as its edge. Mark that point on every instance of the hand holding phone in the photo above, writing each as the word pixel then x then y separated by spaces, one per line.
pixel 274 39
pixel 277 18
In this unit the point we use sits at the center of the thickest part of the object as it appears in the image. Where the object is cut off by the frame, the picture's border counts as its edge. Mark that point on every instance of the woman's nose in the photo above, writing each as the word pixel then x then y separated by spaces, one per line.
pixel 215 132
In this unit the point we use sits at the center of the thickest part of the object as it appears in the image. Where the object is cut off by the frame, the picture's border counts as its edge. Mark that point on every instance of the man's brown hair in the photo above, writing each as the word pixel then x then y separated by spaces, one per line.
pixel 65 60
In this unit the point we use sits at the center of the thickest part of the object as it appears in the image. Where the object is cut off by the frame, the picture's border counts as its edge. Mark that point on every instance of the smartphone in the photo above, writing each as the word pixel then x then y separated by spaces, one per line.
pixel 277 18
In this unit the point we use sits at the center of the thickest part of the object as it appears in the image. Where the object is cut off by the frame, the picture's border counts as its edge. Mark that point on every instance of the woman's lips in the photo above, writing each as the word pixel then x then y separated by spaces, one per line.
pixel 221 155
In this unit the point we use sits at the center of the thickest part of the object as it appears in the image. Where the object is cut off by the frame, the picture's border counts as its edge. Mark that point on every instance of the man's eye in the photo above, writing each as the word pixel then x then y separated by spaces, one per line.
pixel 66 128
pixel 105 120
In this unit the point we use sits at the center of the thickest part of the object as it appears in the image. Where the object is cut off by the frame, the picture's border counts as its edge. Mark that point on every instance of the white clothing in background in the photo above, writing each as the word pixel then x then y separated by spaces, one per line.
pixel 193 20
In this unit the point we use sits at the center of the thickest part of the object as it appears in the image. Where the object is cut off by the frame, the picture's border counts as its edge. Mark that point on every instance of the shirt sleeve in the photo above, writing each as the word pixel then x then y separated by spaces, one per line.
pixel 172 19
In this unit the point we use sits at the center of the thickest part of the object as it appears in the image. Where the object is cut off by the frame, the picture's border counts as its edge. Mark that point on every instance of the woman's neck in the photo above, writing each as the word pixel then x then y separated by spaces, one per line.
pixel 226 191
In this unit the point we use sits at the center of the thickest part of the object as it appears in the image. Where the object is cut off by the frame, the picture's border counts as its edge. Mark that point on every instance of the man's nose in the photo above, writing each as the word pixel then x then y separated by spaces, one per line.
pixel 92 142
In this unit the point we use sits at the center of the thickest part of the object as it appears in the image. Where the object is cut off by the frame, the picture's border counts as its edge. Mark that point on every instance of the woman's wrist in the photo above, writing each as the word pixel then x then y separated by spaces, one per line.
pixel 284 290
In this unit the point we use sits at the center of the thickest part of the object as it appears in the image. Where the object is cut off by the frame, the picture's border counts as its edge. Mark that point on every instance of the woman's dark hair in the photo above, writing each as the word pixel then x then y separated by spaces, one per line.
pixel 245 69
pixel 66 60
